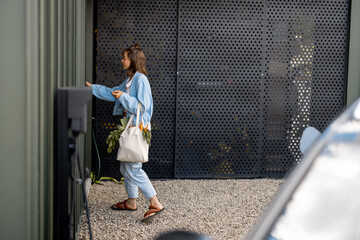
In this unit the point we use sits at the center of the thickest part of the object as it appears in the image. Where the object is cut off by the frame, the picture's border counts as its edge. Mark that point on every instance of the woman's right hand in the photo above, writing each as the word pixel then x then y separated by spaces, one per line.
pixel 88 84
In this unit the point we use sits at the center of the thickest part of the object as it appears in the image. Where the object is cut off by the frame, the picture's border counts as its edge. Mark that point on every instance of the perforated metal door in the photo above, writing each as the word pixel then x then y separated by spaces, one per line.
pixel 251 76
pixel 218 125
pixel 304 79
pixel 154 25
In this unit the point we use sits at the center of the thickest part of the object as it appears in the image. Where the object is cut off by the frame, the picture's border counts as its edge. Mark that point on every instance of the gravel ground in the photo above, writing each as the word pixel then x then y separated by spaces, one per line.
pixel 221 209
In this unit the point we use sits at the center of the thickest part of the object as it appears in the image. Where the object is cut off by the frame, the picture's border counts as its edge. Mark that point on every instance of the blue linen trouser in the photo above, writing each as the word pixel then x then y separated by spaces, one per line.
pixel 135 178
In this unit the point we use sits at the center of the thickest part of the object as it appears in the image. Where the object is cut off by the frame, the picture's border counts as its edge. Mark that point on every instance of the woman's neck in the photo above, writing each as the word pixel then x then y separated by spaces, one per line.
pixel 131 74
pixel 131 77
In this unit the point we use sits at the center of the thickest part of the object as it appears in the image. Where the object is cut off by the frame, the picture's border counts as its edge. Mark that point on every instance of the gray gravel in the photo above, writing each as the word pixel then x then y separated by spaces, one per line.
pixel 221 209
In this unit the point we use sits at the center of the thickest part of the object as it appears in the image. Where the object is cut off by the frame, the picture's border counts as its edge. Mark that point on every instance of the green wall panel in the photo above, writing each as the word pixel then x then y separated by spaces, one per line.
pixel 43 49
pixel 353 85
pixel 13 173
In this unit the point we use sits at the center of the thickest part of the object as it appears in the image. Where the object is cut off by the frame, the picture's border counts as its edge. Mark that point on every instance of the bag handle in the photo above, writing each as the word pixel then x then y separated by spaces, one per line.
pixel 137 117
pixel 139 108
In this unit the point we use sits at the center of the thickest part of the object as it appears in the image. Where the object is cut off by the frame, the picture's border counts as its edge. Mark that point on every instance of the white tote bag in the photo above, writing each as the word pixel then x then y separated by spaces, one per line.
pixel 132 145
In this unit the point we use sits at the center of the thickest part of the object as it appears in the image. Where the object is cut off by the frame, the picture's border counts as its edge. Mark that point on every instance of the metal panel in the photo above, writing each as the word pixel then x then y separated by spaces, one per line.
pixel 152 24
pixel 32 129
pixel 269 69
pixel 218 101
pixel 251 76
pixel 44 135
pixel 16 157
pixel 353 83
pixel 89 72
pixel 305 75
pixel 34 60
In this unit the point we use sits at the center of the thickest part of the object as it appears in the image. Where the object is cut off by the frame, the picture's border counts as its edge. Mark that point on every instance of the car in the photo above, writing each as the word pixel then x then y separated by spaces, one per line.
pixel 320 198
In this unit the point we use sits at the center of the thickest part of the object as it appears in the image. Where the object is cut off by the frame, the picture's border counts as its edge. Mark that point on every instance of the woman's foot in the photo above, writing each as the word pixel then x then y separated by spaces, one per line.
pixel 129 204
pixel 154 208
pixel 153 211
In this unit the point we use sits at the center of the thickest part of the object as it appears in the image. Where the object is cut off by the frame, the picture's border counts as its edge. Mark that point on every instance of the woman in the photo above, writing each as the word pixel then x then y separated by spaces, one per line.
pixel 134 89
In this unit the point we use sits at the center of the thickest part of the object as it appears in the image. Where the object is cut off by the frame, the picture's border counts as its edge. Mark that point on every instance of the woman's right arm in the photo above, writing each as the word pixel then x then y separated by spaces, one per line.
pixel 102 92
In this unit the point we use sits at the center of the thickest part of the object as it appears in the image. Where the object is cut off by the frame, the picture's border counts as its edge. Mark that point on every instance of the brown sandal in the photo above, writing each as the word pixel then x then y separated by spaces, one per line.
pixel 122 206
pixel 152 209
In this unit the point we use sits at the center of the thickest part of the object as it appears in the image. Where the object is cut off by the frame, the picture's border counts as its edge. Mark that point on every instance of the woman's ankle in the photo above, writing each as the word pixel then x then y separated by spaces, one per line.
pixel 155 201
pixel 131 200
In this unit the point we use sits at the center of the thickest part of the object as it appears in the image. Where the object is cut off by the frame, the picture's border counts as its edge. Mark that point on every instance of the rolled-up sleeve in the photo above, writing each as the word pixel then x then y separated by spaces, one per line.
pixel 143 95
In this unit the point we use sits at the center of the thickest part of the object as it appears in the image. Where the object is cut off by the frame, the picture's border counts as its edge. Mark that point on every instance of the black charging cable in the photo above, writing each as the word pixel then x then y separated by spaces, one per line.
pixel 82 181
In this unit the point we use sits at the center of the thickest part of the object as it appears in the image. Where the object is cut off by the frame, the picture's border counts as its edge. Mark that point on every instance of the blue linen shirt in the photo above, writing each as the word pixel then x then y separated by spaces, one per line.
pixel 140 92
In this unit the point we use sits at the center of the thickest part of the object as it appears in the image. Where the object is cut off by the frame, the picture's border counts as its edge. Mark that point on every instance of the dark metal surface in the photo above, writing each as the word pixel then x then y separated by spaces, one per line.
pixel 154 25
pixel 218 120
pixel 68 200
pixel 62 170
pixel 251 76
pixel 305 56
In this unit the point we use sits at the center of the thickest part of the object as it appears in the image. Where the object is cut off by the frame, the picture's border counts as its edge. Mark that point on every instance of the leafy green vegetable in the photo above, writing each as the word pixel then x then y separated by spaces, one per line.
pixel 113 138
pixel 147 136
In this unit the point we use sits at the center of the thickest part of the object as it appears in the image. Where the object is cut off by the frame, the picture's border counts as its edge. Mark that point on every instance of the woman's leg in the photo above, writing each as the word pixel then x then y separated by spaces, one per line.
pixel 138 177
pixel 131 189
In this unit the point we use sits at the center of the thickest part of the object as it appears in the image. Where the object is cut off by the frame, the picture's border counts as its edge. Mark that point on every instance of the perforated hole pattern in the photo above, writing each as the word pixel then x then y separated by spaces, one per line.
pixel 251 76
pixel 154 25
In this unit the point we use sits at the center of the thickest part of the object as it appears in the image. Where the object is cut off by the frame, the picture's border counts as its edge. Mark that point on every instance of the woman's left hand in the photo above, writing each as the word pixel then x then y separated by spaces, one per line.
pixel 117 93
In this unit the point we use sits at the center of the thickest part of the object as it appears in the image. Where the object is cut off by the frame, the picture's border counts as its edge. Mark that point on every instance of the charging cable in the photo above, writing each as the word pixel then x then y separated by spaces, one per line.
pixel 95 179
